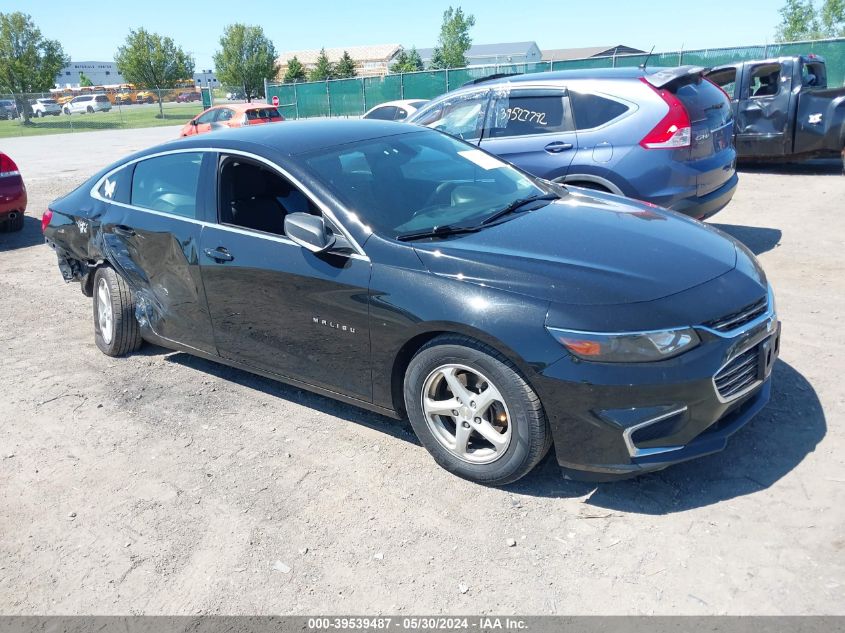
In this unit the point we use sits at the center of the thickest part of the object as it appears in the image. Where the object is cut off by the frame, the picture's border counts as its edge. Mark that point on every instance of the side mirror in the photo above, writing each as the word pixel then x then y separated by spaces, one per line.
pixel 309 231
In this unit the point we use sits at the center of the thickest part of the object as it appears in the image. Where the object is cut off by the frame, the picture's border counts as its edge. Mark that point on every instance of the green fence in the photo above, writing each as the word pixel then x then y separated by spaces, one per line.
pixel 353 97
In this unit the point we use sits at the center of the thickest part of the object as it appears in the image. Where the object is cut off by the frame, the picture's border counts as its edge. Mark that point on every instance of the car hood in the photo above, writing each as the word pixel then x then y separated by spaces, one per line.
pixel 587 250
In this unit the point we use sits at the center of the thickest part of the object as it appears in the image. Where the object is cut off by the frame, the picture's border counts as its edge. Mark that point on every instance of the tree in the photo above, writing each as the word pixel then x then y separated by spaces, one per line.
pixel 84 81
pixel 799 21
pixel 28 61
pixel 437 62
pixel 345 68
pixel 247 57
pixel 151 61
pixel 833 18
pixel 407 62
pixel 454 40
pixel 295 71
pixel 324 68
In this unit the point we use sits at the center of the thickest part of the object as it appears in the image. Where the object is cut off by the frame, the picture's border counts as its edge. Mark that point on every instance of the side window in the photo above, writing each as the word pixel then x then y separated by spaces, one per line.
pixel 524 112
pixel 207 117
pixel 224 114
pixel 168 183
pixel 254 196
pixel 118 186
pixel 401 113
pixel 592 110
pixel 726 80
pixel 765 80
pixel 459 116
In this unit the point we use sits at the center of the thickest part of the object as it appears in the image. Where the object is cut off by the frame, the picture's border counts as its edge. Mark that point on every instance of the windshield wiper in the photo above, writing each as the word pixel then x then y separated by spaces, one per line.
pixel 517 204
pixel 437 231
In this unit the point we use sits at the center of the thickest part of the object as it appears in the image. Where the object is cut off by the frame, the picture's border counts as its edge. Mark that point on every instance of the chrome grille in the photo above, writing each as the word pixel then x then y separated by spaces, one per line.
pixel 739 374
pixel 741 317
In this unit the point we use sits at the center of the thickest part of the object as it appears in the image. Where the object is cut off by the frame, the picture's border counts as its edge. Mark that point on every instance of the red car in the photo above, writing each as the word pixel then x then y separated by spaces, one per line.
pixel 185 97
pixel 12 195
pixel 231 115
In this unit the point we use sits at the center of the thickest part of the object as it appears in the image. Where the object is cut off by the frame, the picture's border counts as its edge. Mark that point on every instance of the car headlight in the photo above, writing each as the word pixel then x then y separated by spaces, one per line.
pixel 627 347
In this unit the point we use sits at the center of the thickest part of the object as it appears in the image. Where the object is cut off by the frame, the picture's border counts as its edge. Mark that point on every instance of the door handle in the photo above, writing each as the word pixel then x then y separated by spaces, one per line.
pixel 124 231
pixel 558 146
pixel 219 254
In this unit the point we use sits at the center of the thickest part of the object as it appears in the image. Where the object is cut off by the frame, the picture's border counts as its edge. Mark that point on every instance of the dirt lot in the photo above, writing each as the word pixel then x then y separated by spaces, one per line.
pixel 166 484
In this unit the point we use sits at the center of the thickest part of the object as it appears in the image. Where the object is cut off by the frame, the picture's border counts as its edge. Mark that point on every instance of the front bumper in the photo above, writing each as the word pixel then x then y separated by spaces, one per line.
pixel 618 420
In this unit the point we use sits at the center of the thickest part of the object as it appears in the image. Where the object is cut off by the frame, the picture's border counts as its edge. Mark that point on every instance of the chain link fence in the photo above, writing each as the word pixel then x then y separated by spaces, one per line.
pixel 353 97
pixel 82 110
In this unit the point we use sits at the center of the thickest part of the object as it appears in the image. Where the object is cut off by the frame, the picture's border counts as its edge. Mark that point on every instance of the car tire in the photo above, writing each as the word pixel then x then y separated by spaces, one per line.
pixel 116 329
pixel 39 114
pixel 511 414
pixel 15 224
pixel 89 110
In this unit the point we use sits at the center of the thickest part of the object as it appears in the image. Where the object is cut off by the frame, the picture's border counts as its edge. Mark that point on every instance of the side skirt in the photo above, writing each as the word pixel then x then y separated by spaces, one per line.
pixel 293 382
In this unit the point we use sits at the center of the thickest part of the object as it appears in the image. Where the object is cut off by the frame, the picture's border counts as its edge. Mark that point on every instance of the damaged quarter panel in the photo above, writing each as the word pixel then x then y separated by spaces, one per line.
pixel 120 217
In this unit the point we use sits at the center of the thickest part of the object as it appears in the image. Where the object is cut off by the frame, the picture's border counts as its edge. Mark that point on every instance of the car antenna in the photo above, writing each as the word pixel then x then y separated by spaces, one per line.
pixel 643 65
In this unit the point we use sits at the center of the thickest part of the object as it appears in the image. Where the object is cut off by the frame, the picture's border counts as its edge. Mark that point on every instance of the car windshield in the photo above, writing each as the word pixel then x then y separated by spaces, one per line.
pixel 418 182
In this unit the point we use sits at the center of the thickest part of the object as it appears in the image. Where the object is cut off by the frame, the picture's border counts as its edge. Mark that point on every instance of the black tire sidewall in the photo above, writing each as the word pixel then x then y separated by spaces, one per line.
pixel 519 456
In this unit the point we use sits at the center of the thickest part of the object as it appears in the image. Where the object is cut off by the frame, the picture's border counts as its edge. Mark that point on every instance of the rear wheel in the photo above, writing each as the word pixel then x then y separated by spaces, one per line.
pixel 474 412
pixel 16 224
pixel 116 330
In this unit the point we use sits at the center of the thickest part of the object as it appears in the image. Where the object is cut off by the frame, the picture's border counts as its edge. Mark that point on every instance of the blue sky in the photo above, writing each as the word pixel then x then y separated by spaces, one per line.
pixel 92 30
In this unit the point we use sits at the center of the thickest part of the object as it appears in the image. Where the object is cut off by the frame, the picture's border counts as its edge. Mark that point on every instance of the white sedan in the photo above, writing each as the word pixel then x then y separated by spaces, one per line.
pixel 395 110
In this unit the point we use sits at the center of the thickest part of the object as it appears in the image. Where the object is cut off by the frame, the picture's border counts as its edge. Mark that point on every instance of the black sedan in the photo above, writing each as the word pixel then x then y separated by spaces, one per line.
pixel 404 271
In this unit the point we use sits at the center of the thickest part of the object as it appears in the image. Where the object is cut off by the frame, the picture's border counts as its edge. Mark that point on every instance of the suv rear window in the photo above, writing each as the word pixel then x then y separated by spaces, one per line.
pixel 705 101
pixel 101 98
pixel 592 110
pixel 262 113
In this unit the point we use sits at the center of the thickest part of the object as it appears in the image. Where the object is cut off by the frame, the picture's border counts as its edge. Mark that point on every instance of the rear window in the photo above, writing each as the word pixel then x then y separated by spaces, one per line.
pixel 101 98
pixel 168 183
pixel 387 113
pixel 525 112
pixel 262 113
pixel 593 111
pixel 705 101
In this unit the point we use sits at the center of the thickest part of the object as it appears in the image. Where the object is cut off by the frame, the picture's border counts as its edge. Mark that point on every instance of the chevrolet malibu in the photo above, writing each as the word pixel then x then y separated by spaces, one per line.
pixel 404 271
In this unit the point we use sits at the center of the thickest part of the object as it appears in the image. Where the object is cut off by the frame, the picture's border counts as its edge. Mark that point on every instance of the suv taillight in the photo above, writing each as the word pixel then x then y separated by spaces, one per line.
pixel 674 131
pixel 8 167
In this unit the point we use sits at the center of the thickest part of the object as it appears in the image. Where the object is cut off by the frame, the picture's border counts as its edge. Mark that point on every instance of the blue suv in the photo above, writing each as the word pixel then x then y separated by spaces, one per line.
pixel 662 135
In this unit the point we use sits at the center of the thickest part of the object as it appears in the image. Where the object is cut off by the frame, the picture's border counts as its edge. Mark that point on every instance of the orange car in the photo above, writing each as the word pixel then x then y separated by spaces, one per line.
pixel 231 115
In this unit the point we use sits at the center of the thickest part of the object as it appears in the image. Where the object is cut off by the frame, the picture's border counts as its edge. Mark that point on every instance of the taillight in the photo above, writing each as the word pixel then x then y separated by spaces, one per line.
pixel 674 131
pixel 8 167
pixel 45 219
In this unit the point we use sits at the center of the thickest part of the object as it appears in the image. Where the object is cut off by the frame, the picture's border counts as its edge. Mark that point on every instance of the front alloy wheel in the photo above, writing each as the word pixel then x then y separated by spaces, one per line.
pixel 474 411
pixel 466 413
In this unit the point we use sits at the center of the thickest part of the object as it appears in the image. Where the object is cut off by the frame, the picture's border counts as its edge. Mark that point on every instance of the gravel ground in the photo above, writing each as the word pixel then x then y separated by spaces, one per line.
pixel 165 484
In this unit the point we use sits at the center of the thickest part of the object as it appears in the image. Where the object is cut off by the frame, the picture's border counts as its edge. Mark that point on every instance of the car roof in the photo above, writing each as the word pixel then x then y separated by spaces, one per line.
pixel 581 73
pixel 242 107
pixel 297 137
pixel 398 103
